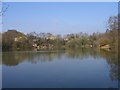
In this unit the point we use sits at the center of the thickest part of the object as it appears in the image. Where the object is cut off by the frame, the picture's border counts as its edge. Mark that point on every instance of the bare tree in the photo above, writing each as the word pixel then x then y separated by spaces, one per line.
pixel 3 8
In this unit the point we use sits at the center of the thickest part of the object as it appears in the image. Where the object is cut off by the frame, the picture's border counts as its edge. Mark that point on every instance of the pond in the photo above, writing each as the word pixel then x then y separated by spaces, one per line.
pixel 81 68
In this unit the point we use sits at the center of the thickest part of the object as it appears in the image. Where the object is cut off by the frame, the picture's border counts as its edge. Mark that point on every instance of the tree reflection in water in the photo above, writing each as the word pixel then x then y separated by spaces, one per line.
pixel 15 58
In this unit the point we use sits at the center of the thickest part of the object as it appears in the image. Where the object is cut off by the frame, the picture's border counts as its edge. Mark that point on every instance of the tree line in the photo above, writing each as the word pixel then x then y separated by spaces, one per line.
pixel 14 40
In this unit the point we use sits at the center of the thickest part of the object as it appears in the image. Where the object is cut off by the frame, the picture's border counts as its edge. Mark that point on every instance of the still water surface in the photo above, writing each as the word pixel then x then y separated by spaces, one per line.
pixel 60 69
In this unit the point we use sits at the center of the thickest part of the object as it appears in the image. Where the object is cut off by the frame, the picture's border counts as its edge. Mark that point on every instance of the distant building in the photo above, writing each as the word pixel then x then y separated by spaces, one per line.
pixel 19 38
pixel 16 39
pixel 105 46
pixel 51 37
pixel 34 45
pixel 91 45
pixel 66 39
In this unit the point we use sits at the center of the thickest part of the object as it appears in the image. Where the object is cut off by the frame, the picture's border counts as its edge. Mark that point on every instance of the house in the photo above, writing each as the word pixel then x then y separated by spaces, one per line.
pixel 35 46
pixel 105 47
pixel 19 38
pixel 66 39
pixel 51 37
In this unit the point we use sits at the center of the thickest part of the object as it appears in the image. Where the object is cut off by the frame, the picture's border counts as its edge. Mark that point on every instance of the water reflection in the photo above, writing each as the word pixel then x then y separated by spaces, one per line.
pixel 112 60
pixel 16 58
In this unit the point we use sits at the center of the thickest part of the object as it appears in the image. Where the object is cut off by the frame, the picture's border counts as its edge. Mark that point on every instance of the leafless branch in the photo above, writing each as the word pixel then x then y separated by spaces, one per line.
pixel 3 10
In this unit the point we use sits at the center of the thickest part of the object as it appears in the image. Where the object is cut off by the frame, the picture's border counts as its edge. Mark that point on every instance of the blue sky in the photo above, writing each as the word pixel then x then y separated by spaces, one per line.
pixel 58 18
